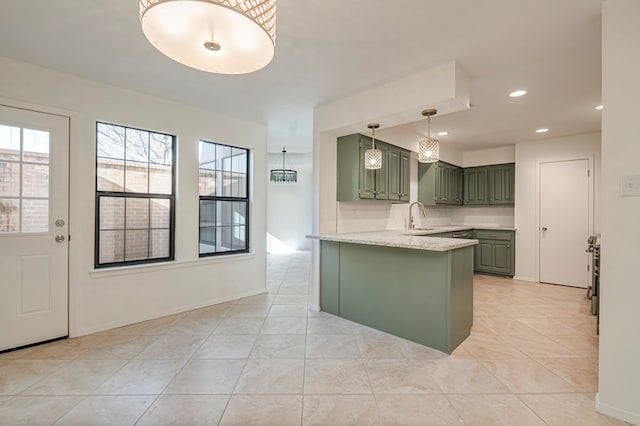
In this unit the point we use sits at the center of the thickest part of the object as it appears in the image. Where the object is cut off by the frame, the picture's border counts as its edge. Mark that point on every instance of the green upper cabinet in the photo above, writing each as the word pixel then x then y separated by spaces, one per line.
pixel 476 186
pixel 489 185
pixel 439 183
pixel 501 183
pixel 355 182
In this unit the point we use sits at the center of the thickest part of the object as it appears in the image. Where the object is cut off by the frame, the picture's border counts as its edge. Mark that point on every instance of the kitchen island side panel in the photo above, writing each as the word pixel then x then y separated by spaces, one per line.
pixel 401 291
pixel 461 295
pixel 330 277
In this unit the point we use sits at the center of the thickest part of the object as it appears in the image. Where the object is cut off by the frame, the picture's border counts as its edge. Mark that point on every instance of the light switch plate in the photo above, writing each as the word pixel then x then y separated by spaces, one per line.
pixel 630 186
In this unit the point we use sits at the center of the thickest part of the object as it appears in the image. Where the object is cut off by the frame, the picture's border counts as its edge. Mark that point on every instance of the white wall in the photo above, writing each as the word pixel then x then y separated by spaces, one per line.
pixel 619 388
pixel 483 157
pixel 289 206
pixel 529 155
pixel 103 299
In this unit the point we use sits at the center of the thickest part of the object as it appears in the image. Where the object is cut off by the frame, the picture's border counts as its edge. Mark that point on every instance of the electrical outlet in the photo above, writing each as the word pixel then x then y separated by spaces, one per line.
pixel 630 186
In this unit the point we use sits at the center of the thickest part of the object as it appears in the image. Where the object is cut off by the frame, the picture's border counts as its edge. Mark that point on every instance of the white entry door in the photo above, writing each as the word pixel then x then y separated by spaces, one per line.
pixel 34 182
pixel 564 222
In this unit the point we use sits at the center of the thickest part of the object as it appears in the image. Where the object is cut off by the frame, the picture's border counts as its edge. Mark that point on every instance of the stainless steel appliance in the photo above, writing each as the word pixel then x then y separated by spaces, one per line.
pixel 468 234
pixel 593 291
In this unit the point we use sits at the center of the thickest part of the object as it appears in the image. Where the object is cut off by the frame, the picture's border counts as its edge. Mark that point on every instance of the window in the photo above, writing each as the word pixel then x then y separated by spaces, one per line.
pixel 224 199
pixel 135 181
pixel 24 180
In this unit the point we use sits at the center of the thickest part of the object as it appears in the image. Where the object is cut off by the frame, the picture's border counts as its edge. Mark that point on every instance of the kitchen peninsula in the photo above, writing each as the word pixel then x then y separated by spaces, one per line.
pixel 403 282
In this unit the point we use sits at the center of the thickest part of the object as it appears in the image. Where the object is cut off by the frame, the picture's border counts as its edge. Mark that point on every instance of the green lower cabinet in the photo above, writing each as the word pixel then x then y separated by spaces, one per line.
pixel 423 296
pixel 495 253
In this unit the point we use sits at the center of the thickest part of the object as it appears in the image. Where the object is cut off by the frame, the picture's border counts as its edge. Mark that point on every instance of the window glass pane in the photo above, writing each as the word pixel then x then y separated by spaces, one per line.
pixel 136 245
pixel 110 141
pixel 9 179
pixel 137 145
pixel 111 246
pixel 224 213
pixel 160 149
pixel 35 215
pixel 207 240
pixel 223 238
pixel 9 215
pixel 35 180
pixel 35 146
pixel 137 213
pixel 9 143
pixel 207 155
pixel 239 160
pixel 160 213
pixel 239 185
pixel 110 175
pixel 223 157
pixel 159 243
pixel 137 177
pixel 207 184
pixel 239 213
pixel 239 238
pixel 159 179
pixel 111 213
pixel 228 185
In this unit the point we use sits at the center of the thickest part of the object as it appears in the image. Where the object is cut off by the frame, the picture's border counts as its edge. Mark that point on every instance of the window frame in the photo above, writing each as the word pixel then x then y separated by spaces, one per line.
pixel 125 195
pixel 246 200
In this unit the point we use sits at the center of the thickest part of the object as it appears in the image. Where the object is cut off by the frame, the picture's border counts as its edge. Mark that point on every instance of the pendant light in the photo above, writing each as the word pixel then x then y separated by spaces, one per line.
pixel 218 36
pixel 429 149
pixel 284 175
pixel 373 156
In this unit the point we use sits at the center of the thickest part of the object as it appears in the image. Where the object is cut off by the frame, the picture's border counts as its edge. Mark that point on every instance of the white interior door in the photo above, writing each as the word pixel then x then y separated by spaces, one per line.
pixel 564 222
pixel 34 182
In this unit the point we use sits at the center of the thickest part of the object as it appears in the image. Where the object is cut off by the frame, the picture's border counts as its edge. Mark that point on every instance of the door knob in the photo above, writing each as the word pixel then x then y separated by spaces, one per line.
pixel 59 238
pixel 544 228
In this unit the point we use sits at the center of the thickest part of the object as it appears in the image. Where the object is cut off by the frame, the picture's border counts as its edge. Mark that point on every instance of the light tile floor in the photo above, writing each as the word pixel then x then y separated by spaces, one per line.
pixel 267 360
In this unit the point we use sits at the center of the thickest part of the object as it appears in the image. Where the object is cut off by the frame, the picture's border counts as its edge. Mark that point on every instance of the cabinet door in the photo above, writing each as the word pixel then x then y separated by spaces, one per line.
pixel 395 167
pixel 455 186
pixel 366 185
pixel 442 184
pixel 476 186
pixel 501 179
pixel 382 174
pixel 405 175
pixel 501 258
pixel 483 256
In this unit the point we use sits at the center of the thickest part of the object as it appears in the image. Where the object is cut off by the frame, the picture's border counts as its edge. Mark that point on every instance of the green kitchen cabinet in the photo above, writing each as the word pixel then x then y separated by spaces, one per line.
pixel 355 182
pixel 399 173
pixel 476 186
pixel 489 185
pixel 501 184
pixel 439 183
pixel 495 252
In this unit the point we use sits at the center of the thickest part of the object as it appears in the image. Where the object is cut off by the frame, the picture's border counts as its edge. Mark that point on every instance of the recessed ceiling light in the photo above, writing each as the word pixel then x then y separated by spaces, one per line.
pixel 542 130
pixel 598 106
pixel 443 133
pixel 517 93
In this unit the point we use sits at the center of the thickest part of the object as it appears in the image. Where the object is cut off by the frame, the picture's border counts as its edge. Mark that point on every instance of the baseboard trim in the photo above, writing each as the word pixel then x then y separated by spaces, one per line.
pixel 618 413
pixel 529 279
pixel 314 307
pixel 186 308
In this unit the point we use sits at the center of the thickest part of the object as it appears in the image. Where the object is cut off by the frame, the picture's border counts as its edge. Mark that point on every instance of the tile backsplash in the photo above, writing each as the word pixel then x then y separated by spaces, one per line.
pixel 371 216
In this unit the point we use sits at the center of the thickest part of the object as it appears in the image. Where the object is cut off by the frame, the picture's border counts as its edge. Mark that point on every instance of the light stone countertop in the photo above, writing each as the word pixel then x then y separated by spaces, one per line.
pixel 409 238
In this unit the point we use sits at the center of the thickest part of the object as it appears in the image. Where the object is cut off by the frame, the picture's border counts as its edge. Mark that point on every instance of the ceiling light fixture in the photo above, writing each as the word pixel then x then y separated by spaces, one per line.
pixel 429 149
pixel 284 175
pixel 219 36
pixel 598 107
pixel 543 130
pixel 373 156
pixel 517 93
pixel 443 133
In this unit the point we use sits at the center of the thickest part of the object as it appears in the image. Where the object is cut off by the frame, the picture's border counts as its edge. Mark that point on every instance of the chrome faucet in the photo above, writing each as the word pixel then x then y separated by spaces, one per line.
pixel 410 223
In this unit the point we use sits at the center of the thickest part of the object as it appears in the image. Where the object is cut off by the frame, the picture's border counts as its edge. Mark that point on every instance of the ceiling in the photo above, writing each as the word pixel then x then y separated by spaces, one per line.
pixel 328 49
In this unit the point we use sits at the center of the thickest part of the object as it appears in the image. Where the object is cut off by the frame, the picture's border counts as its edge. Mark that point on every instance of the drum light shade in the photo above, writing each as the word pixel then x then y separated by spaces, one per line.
pixel 218 36
pixel 428 149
